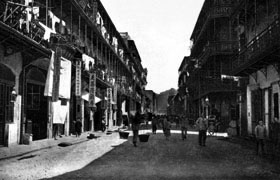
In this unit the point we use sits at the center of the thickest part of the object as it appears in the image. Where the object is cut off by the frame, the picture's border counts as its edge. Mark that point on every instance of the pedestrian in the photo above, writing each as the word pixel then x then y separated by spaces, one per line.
pixel 136 126
pixel 103 124
pixel 78 128
pixel 275 134
pixel 202 125
pixel 55 131
pixel 260 133
pixel 184 127
pixel 167 127
pixel 154 125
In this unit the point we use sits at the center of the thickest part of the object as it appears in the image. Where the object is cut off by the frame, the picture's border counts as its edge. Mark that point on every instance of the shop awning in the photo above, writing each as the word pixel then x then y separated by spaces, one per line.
pixel 85 97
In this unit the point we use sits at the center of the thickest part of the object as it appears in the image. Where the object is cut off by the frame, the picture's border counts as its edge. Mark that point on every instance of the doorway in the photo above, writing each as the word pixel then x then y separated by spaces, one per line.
pixel 7 79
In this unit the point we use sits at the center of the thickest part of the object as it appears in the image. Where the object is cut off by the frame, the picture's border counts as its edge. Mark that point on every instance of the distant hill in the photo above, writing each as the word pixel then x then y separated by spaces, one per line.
pixel 162 100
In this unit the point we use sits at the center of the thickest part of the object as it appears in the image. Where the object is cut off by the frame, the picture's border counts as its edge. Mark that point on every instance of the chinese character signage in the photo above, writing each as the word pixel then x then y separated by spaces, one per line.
pixel 109 93
pixel 56 74
pixel 78 79
pixel 92 89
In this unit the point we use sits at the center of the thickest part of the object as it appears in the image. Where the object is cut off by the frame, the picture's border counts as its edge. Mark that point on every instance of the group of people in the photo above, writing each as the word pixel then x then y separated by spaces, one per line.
pixel 261 135
pixel 162 121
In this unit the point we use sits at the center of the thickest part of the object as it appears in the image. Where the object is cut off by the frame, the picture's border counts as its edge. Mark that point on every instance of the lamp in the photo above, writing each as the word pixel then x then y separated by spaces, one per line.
pixel 207 104
pixel 13 95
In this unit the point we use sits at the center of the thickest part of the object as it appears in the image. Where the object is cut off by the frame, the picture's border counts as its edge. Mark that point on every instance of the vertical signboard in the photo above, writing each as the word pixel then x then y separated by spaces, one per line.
pixel 92 89
pixel 56 74
pixel 78 79
pixel 103 102
pixel 109 93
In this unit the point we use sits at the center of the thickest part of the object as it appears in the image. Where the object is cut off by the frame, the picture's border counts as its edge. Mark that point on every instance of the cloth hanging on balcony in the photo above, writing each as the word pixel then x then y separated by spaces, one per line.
pixel 65 78
pixel 55 20
pixel 48 31
pixel 88 61
pixel 59 112
pixel 49 81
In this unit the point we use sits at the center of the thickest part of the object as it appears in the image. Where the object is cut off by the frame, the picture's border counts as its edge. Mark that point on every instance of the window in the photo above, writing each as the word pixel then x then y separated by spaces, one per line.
pixel 276 105
pixel 33 96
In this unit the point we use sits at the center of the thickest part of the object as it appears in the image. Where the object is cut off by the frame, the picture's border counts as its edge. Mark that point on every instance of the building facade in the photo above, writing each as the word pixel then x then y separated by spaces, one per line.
pixel 257 59
pixel 205 75
pixel 61 61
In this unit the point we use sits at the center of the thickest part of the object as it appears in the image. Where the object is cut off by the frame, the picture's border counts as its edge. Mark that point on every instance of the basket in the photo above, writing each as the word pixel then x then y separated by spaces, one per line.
pixel 143 137
pixel 123 134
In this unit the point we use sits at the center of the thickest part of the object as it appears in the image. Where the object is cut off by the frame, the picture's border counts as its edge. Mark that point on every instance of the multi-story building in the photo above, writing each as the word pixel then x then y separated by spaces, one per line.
pixel 61 61
pixel 214 41
pixel 151 101
pixel 257 26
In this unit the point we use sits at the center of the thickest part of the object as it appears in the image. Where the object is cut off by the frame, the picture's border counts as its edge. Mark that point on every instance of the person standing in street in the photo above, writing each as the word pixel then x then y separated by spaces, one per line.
pixel 154 124
pixel 135 127
pixel 260 133
pixel 78 128
pixel 184 127
pixel 167 127
pixel 202 125
pixel 55 131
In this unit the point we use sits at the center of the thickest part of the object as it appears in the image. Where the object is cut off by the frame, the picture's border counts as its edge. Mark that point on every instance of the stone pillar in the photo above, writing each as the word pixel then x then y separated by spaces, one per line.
pixel 67 121
pixel 83 114
pixel 249 110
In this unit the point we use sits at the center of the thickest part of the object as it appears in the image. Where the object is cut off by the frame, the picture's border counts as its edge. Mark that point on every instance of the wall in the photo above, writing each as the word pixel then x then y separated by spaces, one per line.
pixel 14 62
pixel 263 82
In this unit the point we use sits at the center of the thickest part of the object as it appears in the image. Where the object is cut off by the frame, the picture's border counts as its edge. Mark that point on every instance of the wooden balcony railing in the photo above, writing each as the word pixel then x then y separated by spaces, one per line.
pixel 18 17
pixel 223 10
pixel 215 48
pixel 212 85
pixel 257 47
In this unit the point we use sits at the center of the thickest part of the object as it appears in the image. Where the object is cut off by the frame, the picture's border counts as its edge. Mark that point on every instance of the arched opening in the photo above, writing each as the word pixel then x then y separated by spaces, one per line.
pixel 36 103
pixel 7 82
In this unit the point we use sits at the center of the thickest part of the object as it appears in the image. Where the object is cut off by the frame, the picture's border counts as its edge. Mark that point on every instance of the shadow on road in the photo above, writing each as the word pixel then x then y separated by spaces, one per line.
pixel 173 159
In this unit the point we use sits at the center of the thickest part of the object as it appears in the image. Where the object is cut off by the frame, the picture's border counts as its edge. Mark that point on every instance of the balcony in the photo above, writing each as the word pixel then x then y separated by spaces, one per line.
pixel 254 55
pixel 211 85
pixel 18 28
pixel 217 48
pixel 89 13
pixel 218 11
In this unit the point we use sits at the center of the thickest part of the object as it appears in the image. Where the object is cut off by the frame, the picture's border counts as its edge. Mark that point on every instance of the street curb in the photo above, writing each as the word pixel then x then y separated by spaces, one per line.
pixel 55 144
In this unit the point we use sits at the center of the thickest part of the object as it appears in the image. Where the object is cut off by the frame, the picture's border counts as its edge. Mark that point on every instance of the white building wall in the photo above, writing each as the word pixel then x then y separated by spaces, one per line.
pixel 262 81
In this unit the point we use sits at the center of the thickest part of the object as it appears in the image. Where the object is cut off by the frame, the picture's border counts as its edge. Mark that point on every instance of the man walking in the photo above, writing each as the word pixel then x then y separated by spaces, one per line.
pixel 202 125
pixel 260 133
pixel 135 127
pixel 184 127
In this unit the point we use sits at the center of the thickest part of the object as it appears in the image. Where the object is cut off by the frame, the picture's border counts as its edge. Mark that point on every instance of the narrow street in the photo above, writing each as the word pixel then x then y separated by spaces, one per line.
pixel 109 157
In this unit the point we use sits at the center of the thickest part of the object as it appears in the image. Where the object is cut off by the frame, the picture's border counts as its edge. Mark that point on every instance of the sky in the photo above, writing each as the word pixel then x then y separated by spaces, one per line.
pixel 161 30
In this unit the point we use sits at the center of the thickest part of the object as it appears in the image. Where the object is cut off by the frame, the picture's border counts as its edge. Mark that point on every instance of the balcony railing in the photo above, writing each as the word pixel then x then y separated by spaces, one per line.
pixel 223 10
pixel 257 47
pixel 18 17
pixel 215 48
pixel 212 85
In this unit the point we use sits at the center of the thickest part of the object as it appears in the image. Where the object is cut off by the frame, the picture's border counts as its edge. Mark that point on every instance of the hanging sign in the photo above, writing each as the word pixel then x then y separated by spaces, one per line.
pixel 92 89
pixel 78 81
pixel 56 74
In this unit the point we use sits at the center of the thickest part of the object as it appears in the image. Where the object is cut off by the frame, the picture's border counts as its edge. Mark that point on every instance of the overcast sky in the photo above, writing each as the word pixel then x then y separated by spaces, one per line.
pixel 161 30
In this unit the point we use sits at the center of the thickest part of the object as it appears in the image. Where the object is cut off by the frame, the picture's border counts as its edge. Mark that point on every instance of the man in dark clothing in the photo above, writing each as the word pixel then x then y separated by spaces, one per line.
pixel 78 128
pixel 135 127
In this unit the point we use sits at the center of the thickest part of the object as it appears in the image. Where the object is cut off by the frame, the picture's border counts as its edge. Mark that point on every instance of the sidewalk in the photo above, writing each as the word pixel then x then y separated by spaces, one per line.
pixel 21 149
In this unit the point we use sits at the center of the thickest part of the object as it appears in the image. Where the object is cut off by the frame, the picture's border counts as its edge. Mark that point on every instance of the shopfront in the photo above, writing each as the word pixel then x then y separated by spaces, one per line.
pixel 7 83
